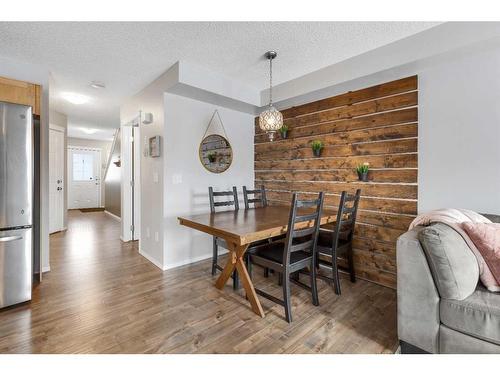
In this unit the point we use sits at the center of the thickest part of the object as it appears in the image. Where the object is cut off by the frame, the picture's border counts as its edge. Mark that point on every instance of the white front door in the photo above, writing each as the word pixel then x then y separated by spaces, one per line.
pixel 56 179
pixel 84 174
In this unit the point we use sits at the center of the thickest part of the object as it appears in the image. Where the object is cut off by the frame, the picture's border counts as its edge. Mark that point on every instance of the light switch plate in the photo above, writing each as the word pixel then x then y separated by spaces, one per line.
pixel 177 179
pixel 155 177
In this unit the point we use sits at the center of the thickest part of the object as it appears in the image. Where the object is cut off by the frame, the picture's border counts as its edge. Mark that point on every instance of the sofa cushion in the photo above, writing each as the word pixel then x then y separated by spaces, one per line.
pixel 486 237
pixel 478 315
pixel 453 265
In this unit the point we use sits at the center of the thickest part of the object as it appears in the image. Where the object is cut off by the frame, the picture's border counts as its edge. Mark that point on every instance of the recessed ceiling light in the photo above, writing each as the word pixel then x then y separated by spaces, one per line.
pixel 75 98
pixel 89 130
pixel 97 85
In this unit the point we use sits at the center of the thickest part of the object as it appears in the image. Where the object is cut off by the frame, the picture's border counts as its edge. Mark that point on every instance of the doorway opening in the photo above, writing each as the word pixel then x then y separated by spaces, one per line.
pixel 84 175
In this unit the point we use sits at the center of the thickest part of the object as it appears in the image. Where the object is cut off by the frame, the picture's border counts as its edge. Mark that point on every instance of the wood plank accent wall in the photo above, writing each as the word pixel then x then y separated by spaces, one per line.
pixel 378 125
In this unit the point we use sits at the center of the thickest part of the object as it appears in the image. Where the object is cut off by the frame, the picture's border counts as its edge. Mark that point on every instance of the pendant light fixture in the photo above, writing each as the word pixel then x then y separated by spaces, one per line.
pixel 271 120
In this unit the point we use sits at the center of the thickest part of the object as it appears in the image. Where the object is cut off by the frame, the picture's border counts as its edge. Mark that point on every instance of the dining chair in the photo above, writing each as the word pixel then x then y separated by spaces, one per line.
pixel 259 197
pixel 295 253
pixel 219 242
pixel 338 242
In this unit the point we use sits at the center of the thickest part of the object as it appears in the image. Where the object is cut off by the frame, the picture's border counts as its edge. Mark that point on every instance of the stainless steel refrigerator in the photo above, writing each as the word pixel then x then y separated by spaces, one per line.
pixel 16 203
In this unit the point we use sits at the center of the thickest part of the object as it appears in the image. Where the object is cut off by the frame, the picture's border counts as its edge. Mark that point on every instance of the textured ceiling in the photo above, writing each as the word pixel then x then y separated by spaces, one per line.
pixel 128 56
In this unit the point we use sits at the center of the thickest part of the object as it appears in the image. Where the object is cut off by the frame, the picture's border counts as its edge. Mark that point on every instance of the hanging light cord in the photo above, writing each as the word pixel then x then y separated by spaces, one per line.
pixel 270 82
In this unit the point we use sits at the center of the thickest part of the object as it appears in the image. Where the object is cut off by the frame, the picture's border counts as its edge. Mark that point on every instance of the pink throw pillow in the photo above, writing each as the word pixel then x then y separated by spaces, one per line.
pixel 486 237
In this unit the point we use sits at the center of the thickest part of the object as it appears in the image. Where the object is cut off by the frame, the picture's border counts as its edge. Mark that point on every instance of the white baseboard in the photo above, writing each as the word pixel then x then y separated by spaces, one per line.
pixel 113 216
pixel 59 230
pixel 152 260
pixel 192 260
pixel 45 269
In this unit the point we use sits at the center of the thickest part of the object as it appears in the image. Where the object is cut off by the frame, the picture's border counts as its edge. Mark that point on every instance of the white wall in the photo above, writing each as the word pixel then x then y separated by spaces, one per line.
pixel 39 75
pixel 459 134
pixel 149 194
pixel 163 241
pixel 105 147
pixel 185 123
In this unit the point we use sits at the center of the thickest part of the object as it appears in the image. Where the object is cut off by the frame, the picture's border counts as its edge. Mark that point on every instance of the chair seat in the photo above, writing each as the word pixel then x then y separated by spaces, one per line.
pixel 274 252
pixel 478 315
pixel 259 243
pixel 325 241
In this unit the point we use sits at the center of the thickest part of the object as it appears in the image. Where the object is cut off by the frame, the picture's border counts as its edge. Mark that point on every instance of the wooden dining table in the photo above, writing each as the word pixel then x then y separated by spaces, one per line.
pixel 240 229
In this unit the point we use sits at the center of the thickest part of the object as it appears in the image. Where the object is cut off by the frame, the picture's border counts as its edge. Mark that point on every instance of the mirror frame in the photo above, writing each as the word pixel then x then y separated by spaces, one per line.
pixel 201 158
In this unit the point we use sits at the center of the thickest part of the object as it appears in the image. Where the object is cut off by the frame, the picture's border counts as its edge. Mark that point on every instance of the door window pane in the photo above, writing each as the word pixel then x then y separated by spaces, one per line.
pixel 83 167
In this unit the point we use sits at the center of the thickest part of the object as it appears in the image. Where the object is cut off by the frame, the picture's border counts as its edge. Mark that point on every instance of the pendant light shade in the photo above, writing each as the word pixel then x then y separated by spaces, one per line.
pixel 271 120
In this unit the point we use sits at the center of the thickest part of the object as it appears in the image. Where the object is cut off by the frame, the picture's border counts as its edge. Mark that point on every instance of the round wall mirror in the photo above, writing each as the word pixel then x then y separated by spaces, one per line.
pixel 216 153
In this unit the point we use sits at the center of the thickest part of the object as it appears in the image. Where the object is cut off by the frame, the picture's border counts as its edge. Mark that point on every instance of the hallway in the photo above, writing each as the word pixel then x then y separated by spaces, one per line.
pixel 101 296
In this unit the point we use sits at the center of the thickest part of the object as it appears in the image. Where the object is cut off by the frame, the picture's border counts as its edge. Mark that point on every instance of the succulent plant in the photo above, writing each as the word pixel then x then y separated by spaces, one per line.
pixel 212 156
pixel 317 145
pixel 363 168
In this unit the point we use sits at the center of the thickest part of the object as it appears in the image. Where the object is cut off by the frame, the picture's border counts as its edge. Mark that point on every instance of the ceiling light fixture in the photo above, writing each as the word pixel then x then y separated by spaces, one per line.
pixel 75 98
pixel 97 85
pixel 89 130
pixel 271 120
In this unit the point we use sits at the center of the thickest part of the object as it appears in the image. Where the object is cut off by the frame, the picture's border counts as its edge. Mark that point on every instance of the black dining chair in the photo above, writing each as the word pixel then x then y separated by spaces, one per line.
pixel 259 200
pixel 259 197
pixel 338 242
pixel 219 242
pixel 295 253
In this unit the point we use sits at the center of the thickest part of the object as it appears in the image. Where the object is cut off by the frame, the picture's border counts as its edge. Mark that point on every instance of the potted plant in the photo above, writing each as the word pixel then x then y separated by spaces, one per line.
pixel 362 170
pixel 212 156
pixel 317 146
pixel 284 131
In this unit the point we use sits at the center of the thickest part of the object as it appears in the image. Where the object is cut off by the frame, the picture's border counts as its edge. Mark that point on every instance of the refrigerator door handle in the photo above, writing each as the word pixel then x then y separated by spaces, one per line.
pixel 10 238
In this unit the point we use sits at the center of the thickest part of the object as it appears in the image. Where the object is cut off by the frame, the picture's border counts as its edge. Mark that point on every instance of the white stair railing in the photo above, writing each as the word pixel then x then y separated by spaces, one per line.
pixel 111 152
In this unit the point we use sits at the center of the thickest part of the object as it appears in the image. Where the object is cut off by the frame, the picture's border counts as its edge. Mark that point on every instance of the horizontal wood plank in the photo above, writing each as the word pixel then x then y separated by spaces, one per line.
pixel 351 97
pixel 343 138
pixel 367 189
pixel 348 112
pixel 399 206
pixel 400 146
pixel 402 116
pixel 378 233
pixel 349 162
pixel 342 175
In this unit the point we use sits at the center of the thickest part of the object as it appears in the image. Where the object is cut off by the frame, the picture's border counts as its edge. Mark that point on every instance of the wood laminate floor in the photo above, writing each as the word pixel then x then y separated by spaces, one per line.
pixel 101 296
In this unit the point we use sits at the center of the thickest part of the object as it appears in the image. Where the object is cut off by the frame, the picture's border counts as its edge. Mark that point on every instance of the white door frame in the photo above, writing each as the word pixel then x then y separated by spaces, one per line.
pixel 131 174
pixel 99 169
pixel 62 130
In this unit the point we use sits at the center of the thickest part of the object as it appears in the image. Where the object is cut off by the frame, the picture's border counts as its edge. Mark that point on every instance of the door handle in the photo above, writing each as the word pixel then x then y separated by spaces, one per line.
pixel 10 238
pixel 59 188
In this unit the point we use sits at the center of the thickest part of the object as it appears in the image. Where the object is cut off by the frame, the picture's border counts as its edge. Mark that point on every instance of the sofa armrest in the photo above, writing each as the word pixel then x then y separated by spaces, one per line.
pixel 418 298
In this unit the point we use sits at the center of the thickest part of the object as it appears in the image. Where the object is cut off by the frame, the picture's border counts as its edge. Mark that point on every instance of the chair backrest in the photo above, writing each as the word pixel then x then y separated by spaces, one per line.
pixel 346 217
pixel 303 239
pixel 259 196
pixel 232 202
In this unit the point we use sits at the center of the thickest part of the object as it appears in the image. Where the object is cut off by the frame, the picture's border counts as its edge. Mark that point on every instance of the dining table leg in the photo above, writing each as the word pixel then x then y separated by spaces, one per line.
pixel 235 260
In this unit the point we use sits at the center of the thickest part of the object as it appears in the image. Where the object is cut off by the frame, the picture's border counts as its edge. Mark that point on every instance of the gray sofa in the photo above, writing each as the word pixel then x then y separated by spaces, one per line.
pixel 442 306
